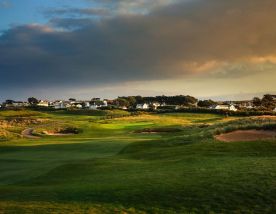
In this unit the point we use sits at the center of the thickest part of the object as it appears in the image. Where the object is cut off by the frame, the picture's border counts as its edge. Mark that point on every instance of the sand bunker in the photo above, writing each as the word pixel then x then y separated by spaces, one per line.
pixel 56 133
pixel 247 135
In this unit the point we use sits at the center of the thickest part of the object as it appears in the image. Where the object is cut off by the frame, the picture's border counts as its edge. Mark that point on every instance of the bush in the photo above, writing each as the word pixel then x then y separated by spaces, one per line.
pixel 70 130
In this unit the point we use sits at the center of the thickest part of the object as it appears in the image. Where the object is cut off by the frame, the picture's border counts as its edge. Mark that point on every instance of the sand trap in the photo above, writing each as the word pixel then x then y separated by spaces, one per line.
pixel 247 135
pixel 56 134
pixel 28 133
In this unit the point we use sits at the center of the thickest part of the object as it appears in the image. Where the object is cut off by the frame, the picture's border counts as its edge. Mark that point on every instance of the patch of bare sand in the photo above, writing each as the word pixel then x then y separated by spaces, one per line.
pixel 56 134
pixel 246 135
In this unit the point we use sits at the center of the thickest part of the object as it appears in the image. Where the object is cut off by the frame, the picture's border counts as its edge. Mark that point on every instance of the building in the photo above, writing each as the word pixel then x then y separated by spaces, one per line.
pixel 58 105
pixel 123 107
pixel 87 104
pixel 79 105
pixel 142 106
pixel 43 103
pixel 225 107
pixel 16 104
pixel 95 104
pixel 155 105
pixel 105 103
pixel 245 104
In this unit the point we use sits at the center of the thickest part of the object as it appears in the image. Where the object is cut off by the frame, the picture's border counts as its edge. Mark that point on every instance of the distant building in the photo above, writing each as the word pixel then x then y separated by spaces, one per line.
pixel 97 103
pixel 155 105
pixel 244 104
pixel 43 103
pixel 142 106
pixel 225 107
pixel 123 107
pixel 59 105
pixel 79 105
pixel 105 103
pixel 94 105
pixel 86 104
pixel 16 104
pixel 76 105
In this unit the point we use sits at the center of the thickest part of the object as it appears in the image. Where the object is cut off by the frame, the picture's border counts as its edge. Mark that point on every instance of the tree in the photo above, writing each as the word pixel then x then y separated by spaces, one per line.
pixel 33 101
pixel 190 100
pixel 268 102
pixel 132 101
pixel 205 103
pixel 139 99
pixel 122 102
pixel 257 101
pixel 72 99
pixel 9 102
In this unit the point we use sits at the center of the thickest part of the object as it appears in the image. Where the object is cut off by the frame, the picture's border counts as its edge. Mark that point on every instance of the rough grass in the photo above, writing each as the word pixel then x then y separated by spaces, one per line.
pixel 20 113
pixel 108 168
pixel 245 124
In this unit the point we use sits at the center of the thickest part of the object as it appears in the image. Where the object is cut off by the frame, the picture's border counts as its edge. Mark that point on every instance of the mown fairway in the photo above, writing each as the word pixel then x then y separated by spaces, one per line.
pixel 148 163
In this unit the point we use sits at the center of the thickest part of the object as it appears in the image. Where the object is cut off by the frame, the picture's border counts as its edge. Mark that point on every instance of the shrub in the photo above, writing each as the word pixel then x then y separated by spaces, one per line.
pixel 70 130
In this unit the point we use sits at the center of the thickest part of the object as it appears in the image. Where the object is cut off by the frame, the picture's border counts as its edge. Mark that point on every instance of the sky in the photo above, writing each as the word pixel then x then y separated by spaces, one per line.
pixel 57 49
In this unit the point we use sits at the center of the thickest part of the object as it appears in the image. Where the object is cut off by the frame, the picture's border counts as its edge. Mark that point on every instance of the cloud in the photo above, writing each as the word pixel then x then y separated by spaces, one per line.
pixel 70 23
pixel 133 7
pixel 77 12
pixel 224 39
pixel 108 8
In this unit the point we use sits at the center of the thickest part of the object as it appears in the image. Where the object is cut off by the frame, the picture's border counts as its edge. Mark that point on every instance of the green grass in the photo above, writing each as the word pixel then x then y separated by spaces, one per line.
pixel 110 167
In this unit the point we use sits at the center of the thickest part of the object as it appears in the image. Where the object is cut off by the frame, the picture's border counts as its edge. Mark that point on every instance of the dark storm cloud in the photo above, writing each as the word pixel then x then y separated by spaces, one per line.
pixel 171 41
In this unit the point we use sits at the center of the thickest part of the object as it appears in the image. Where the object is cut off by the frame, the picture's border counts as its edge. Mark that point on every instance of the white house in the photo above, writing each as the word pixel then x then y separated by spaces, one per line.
pixel 87 104
pixel 142 106
pixel 94 106
pixel 59 105
pixel 225 107
pixel 232 108
pixel 274 109
pixel 78 105
pixel 155 105
pixel 123 107
pixel 105 103
pixel 43 103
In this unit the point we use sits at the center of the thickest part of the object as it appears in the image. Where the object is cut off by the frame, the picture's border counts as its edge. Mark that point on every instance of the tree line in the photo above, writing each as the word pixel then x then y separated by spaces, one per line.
pixel 132 101
pixel 268 102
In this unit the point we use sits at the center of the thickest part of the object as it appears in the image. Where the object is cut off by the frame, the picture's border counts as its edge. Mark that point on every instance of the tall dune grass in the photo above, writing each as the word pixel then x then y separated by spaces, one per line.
pixel 245 124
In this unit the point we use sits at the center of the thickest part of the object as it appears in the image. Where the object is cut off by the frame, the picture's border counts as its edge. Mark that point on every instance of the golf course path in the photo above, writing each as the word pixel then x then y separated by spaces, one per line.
pixel 28 133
